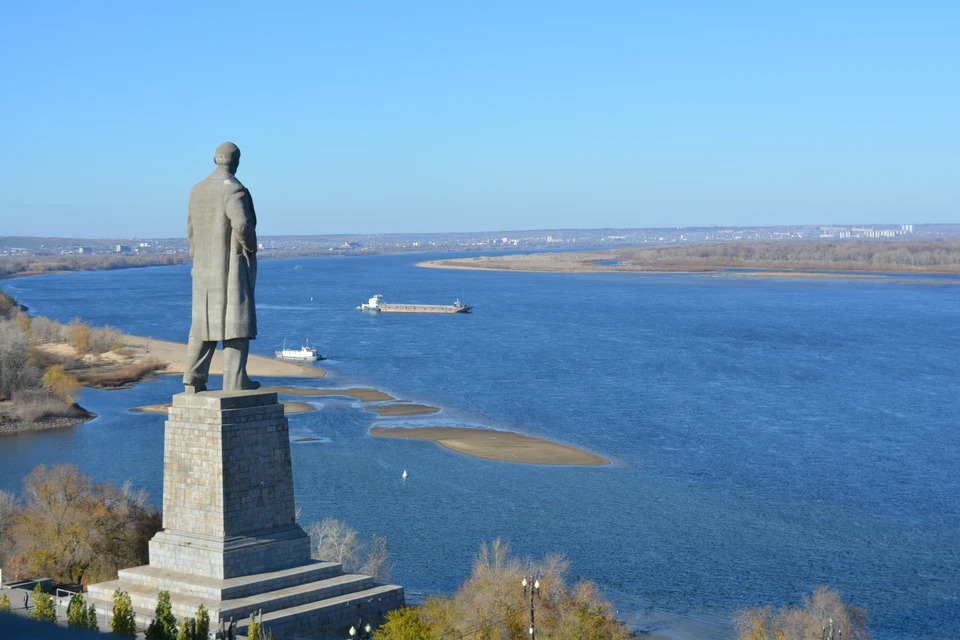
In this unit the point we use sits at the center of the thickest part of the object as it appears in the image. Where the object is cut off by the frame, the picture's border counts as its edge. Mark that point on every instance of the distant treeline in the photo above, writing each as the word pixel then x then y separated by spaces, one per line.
pixel 942 256
pixel 11 266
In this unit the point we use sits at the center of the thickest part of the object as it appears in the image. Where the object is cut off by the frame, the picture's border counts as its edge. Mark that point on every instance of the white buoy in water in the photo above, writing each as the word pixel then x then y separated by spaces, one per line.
pixel 404 474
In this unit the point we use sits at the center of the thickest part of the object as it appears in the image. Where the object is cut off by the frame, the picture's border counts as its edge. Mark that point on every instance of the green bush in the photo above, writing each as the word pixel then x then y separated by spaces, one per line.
pixel 404 624
pixel 43 608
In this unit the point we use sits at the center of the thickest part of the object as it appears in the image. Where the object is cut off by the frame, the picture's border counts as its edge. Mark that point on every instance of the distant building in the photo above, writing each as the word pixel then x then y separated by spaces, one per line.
pixel 122 248
pixel 84 250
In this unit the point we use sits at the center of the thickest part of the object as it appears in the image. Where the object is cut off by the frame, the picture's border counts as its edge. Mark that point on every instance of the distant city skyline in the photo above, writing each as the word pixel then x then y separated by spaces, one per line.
pixel 430 117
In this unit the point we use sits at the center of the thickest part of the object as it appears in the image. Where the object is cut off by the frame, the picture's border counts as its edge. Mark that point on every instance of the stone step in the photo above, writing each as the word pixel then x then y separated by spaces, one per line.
pixel 144 598
pixel 329 619
pixel 231 588
pixel 295 596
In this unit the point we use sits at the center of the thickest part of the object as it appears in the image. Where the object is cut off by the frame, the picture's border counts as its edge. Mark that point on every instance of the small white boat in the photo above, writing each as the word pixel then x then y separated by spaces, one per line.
pixel 306 352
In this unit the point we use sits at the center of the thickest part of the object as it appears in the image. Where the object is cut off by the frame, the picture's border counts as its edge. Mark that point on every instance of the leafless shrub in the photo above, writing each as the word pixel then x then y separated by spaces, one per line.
pixel 32 406
pixel 16 370
pixel 123 376
pixel 46 331
pixel 105 339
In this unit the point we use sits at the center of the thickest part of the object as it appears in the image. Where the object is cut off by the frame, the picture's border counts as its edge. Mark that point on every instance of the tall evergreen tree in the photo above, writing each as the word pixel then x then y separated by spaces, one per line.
pixel 77 612
pixel 164 625
pixel 203 623
pixel 122 623
pixel 92 623
pixel 43 608
pixel 187 630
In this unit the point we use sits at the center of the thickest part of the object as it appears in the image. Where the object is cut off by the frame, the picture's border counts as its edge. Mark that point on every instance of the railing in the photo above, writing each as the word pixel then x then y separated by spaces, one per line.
pixel 64 600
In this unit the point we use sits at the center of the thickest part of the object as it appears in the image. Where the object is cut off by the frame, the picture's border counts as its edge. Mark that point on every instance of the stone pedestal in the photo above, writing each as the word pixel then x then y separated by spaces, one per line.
pixel 230 540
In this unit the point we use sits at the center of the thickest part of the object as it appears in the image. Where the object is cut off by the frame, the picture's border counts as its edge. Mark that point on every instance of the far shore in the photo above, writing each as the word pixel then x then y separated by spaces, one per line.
pixel 822 258
pixel 711 271
pixel 506 446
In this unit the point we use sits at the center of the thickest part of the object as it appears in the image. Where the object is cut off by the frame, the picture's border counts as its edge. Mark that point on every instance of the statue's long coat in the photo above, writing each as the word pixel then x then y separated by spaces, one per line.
pixel 221 228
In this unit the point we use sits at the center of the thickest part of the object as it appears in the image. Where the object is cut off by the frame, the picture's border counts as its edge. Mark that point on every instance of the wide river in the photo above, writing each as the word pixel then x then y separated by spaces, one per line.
pixel 767 435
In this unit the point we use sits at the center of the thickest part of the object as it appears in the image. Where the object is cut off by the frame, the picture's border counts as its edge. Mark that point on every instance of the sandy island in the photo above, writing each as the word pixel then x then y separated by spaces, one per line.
pixel 364 394
pixel 174 355
pixel 496 445
pixel 402 409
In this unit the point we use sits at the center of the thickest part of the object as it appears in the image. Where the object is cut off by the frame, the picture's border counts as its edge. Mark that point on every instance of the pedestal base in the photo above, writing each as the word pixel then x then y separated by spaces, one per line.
pixel 230 541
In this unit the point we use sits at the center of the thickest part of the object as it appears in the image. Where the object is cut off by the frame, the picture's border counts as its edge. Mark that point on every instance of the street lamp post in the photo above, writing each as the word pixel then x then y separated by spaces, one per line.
pixel 533 585
pixel 361 631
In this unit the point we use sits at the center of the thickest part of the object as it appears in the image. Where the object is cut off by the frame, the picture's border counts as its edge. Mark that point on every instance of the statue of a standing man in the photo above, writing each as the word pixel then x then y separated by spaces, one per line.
pixel 221 229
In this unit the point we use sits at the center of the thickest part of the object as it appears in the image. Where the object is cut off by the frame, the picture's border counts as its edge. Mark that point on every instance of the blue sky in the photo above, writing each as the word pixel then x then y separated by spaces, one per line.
pixel 447 116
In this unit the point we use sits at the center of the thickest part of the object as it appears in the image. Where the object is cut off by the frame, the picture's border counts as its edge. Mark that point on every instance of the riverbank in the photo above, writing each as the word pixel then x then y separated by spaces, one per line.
pixel 799 259
pixel 12 424
pixel 489 444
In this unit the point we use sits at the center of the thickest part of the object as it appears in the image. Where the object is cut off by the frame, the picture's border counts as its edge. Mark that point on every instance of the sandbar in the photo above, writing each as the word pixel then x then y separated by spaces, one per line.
pixel 496 445
pixel 364 394
pixel 174 355
pixel 402 409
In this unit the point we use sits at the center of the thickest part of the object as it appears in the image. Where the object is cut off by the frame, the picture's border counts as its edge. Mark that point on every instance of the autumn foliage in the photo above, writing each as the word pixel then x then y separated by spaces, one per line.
pixel 817 614
pixel 74 530
pixel 492 605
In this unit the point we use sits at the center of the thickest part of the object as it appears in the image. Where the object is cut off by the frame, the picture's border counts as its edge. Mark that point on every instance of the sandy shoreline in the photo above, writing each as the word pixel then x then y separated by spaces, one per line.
pixel 496 445
pixel 553 263
pixel 174 355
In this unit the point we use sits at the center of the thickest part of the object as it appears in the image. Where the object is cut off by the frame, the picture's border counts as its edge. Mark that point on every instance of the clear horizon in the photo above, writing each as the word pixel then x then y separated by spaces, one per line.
pixel 434 118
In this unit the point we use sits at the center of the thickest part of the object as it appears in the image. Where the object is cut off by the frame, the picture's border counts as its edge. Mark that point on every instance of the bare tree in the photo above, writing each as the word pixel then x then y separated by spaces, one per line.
pixel 334 540
pixel 378 566
pixel 16 370
pixel 9 510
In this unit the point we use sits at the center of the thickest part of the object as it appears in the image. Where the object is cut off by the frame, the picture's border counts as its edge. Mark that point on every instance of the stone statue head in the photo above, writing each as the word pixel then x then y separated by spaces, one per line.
pixel 228 155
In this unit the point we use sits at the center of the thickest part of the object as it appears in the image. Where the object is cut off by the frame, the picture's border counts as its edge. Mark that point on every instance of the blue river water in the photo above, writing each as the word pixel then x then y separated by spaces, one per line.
pixel 767 434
